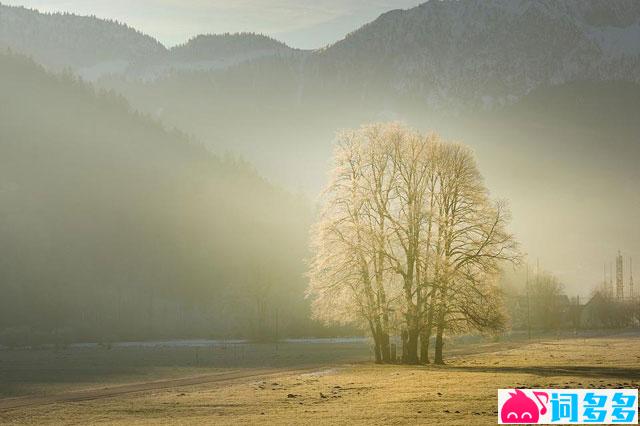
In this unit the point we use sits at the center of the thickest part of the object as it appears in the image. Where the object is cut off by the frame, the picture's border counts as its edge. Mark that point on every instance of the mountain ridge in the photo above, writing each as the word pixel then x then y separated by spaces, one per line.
pixel 487 52
pixel 94 47
pixel 64 40
pixel 443 52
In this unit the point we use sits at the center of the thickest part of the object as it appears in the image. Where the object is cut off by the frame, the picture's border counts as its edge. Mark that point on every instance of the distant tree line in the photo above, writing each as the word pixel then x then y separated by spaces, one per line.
pixel 408 242
pixel 538 304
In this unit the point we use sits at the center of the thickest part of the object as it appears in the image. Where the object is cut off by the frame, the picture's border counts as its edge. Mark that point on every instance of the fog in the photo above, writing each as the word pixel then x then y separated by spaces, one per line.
pixel 115 228
pixel 566 159
pixel 150 191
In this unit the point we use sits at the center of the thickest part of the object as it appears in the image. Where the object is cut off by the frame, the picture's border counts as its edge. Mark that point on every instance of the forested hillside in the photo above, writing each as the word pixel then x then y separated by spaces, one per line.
pixel 485 53
pixel 93 47
pixel 85 44
pixel 113 228
pixel 442 54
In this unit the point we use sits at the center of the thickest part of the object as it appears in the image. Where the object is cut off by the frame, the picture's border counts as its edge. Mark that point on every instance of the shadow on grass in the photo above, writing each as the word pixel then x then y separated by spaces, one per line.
pixel 556 370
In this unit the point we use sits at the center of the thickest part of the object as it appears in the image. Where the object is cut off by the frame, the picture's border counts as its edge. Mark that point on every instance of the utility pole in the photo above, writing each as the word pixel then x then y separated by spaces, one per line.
pixel 611 279
pixel 631 293
pixel 528 305
pixel 619 277
pixel 277 338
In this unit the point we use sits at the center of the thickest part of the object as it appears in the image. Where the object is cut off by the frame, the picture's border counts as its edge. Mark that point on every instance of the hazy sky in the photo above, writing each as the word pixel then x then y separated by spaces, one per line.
pixel 299 23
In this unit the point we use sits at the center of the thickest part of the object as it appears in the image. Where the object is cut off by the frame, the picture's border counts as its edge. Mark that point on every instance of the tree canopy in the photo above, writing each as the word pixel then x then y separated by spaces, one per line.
pixel 408 241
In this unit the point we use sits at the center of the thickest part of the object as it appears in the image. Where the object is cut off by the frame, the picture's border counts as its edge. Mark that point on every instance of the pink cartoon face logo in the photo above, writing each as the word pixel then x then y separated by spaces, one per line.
pixel 519 408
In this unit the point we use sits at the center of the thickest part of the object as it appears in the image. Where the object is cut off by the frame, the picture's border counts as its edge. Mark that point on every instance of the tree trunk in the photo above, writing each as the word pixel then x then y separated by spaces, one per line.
pixel 438 359
pixel 439 343
pixel 410 350
pixel 425 338
pixel 424 347
pixel 385 348
pixel 412 347
pixel 404 337
pixel 376 343
pixel 383 343
pixel 376 352
pixel 441 322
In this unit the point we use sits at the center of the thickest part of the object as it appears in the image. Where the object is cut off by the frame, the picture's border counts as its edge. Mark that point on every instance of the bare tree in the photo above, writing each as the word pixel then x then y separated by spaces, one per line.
pixel 407 226
pixel 473 232
pixel 347 275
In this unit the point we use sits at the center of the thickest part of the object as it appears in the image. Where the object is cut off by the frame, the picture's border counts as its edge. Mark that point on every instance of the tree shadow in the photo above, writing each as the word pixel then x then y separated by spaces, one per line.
pixel 556 370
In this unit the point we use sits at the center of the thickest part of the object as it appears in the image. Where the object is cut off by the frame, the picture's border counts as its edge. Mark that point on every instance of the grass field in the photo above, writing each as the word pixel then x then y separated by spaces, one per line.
pixel 46 372
pixel 343 392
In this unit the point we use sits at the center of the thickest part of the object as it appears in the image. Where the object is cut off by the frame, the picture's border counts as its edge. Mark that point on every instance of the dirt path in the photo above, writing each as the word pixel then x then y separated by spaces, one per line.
pixel 461 393
pixel 223 377
pixel 108 392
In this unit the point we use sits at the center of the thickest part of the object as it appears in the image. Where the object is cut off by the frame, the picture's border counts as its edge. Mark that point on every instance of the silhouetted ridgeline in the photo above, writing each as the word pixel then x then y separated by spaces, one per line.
pixel 112 227
pixel 59 40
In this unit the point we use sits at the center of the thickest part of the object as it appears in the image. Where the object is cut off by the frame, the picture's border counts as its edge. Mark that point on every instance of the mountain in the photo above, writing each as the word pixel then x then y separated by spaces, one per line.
pixel 486 52
pixel 443 54
pixel 93 47
pixel 210 52
pixel 446 56
pixel 118 228
pixel 226 47
pixel 88 45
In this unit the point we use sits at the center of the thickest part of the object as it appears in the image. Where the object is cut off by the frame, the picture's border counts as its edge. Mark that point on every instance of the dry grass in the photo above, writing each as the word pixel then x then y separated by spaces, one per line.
pixel 463 392
pixel 49 372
